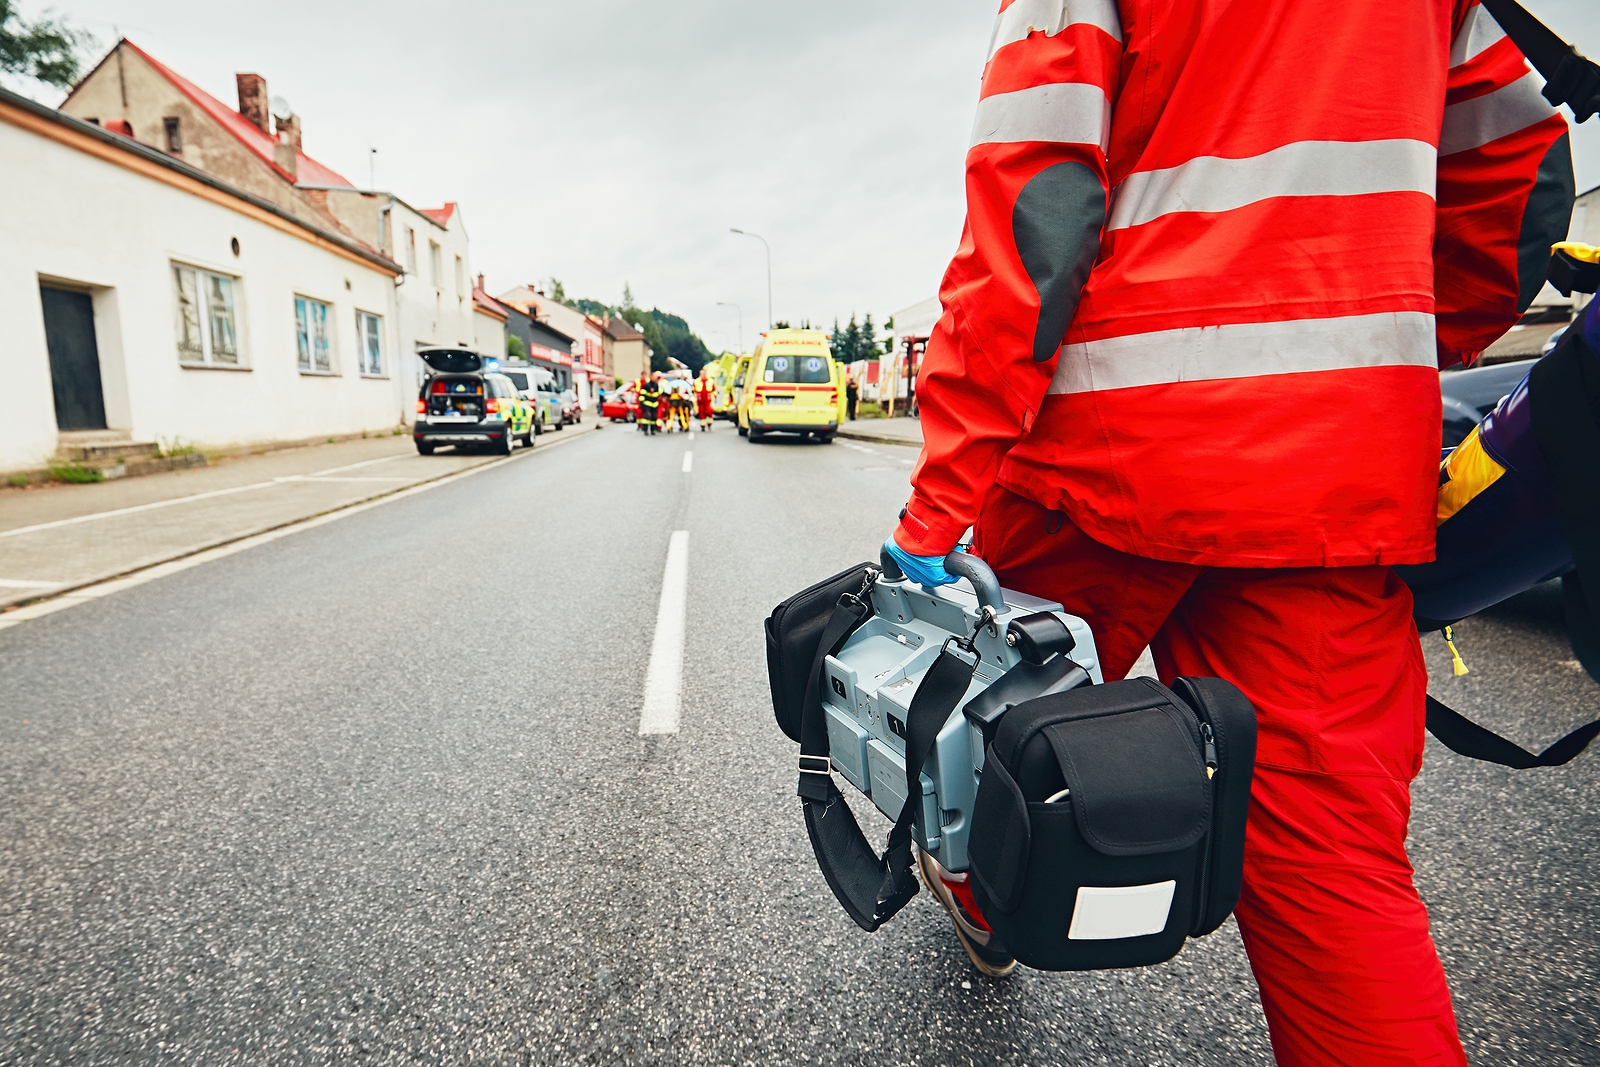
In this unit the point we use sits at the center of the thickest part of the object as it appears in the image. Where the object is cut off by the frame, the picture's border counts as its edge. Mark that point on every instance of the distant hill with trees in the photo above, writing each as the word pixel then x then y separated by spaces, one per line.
pixel 666 333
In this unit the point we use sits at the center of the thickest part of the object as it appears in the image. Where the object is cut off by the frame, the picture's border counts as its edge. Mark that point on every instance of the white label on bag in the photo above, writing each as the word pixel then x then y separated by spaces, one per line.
pixel 1103 913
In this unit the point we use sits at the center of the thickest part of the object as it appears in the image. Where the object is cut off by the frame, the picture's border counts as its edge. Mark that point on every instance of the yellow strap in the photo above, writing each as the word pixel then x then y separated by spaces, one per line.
pixel 1577 250
pixel 1459 664
pixel 1469 471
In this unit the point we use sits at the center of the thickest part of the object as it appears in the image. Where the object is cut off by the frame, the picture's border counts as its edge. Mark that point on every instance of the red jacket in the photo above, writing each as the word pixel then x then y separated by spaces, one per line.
pixel 1214 256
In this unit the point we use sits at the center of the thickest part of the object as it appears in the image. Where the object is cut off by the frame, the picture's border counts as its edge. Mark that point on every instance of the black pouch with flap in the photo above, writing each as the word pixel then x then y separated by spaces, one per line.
pixel 1109 822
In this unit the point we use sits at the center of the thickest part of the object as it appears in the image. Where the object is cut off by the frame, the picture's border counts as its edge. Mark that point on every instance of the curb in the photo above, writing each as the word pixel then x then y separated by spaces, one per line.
pixel 877 438
pixel 14 614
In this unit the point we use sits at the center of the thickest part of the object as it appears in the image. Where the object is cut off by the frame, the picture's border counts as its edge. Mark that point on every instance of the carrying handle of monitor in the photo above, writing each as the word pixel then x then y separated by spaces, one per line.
pixel 963 565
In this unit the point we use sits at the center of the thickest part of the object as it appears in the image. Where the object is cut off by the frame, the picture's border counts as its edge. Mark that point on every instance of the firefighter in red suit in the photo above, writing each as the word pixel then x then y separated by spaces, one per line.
pixel 1186 382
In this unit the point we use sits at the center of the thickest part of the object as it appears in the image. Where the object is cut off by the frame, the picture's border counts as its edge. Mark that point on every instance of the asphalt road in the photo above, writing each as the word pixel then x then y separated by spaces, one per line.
pixel 374 794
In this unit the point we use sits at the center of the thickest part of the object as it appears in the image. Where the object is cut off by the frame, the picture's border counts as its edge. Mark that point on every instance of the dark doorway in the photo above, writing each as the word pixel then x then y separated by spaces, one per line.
pixel 74 359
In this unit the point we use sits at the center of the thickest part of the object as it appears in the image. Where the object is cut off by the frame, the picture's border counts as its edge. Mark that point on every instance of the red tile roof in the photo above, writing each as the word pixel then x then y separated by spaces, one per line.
pixel 248 133
pixel 486 304
pixel 441 215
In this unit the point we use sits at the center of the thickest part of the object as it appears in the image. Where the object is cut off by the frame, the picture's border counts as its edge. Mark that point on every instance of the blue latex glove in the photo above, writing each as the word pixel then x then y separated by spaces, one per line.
pixel 924 570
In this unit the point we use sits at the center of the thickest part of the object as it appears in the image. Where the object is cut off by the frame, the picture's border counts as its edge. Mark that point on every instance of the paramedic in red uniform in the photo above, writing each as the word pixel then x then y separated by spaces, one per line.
pixel 1186 382
pixel 704 390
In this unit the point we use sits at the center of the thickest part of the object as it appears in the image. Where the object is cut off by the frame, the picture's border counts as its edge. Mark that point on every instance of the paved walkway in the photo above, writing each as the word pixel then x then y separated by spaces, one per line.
pixel 59 537
pixel 896 431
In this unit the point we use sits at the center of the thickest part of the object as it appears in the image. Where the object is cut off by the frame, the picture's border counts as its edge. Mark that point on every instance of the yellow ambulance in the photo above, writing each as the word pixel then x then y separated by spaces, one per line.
pixel 792 386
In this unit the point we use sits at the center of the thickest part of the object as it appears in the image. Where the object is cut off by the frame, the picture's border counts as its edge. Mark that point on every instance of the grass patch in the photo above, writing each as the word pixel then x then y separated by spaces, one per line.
pixel 76 473
pixel 17 480
pixel 176 447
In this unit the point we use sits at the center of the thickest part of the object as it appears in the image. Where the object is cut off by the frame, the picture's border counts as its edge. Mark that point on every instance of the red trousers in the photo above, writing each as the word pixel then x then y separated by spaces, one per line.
pixel 1336 932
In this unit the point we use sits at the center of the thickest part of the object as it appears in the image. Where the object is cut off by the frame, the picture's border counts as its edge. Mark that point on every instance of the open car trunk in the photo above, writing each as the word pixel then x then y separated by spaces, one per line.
pixel 454 397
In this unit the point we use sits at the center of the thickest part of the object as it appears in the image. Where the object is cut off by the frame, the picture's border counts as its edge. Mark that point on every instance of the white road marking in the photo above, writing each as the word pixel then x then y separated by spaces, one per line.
pixel 57 524
pixel 17 583
pixel 664 680
pixel 162 570
pixel 319 478
pixel 688 462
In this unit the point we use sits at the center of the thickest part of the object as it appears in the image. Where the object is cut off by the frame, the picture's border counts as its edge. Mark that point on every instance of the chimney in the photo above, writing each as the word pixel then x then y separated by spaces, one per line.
pixel 253 100
pixel 286 152
pixel 480 283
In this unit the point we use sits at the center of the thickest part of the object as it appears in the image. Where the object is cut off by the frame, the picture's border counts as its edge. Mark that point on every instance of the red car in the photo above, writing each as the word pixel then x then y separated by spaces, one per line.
pixel 621 406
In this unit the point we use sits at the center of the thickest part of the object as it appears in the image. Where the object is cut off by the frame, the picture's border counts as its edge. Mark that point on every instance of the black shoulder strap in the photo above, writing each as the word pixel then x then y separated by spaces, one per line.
pixel 1570 77
pixel 873 888
pixel 1460 734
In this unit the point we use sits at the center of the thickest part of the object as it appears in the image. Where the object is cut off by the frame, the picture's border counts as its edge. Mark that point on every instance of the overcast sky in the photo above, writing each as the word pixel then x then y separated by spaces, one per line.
pixel 612 141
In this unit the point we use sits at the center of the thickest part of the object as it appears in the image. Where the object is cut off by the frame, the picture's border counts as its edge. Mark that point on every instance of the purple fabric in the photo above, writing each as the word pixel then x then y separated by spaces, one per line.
pixel 1591 324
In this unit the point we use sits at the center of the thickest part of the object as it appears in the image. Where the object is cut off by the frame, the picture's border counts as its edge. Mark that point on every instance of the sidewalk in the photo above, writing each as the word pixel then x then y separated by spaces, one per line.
pixel 896 431
pixel 60 537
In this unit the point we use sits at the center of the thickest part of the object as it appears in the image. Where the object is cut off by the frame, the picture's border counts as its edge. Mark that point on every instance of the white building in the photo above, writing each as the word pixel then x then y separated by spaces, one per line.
pixel 434 297
pixel 913 325
pixel 142 295
pixel 261 153
pixel 589 372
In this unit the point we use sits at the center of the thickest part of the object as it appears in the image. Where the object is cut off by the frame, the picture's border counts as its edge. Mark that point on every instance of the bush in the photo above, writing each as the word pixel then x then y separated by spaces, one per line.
pixel 75 473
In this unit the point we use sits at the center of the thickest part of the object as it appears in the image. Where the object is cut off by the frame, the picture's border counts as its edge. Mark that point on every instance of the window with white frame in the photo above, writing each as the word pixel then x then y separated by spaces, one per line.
pixel 207 322
pixel 436 264
pixel 369 330
pixel 312 336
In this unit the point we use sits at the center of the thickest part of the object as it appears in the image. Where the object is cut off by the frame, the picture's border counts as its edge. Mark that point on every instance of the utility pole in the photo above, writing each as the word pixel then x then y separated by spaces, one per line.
pixel 735 307
pixel 763 240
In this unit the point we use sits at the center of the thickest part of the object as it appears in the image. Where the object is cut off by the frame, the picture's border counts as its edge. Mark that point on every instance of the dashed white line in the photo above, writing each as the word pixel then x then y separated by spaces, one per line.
pixel 664 680
pixel 688 461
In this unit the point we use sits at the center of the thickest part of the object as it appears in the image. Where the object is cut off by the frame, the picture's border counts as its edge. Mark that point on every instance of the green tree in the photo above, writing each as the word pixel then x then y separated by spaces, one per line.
pixel 558 292
pixel 516 348
pixel 869 340
pixel 44 49
pixel 627 297
pixel 836 342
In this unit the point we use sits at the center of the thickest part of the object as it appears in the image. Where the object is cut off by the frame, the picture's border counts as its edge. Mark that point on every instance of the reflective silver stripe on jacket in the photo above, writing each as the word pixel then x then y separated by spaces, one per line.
pixel 1474 123
pixel 1477 33
pixel 1050 17
pixel 1062 113
pixel 1304 168
pixel 1247 350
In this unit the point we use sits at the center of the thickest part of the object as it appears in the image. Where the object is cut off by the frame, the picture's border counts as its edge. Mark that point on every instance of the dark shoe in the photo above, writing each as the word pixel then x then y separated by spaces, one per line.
pixel 984 949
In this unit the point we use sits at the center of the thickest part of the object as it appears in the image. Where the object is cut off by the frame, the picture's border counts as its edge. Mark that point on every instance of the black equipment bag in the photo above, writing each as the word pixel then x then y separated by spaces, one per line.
pixel 1109 823
pixel 801 633
pixel 794 631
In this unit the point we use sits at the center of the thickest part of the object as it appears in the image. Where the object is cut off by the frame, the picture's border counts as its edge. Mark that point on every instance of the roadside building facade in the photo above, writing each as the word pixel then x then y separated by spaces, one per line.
pixel 588 371
pixel 261 153
pixel 627 354
pixel 489 325
pixel 131 91
pixel 897 368
pixel 148 300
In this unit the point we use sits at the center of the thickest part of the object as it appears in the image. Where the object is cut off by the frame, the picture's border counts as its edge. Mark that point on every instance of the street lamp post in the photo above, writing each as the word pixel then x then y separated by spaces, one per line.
pixel 763 240
pixel 735 307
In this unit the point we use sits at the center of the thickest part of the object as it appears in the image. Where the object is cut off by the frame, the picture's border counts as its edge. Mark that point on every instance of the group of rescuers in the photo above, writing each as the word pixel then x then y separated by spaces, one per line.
pixel 668 403
pixel 1185 382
